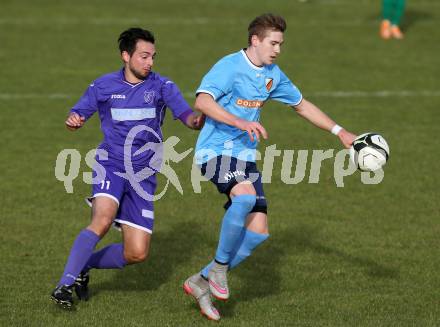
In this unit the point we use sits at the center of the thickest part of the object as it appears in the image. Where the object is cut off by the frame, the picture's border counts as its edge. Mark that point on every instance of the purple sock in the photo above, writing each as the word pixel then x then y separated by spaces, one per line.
pixel 80 253
pixel 111 256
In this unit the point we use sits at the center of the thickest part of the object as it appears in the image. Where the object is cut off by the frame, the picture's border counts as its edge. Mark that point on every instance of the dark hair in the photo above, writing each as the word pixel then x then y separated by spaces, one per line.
pixel 128 39
pixel 261 24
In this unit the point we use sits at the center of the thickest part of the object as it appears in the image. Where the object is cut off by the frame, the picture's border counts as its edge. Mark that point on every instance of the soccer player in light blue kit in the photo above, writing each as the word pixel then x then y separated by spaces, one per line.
pixel 131 104
pixel 231 96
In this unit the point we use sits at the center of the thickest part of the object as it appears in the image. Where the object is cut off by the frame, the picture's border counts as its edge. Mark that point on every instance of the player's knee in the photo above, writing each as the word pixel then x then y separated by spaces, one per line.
pixel 243 189
pixel 260 229
pixel 100 224
pixel 136 256
pixel 245 200
pixel 103 219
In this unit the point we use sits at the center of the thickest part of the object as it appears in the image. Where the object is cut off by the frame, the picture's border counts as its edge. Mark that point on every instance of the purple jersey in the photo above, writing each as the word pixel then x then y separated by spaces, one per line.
pixel 123 106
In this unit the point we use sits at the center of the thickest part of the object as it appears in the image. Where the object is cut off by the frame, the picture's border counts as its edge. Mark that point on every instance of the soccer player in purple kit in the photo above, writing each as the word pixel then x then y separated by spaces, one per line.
pixel 131 104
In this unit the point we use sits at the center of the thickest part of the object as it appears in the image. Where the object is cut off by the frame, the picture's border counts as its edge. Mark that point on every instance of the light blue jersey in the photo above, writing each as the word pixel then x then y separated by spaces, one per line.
pixel 241 88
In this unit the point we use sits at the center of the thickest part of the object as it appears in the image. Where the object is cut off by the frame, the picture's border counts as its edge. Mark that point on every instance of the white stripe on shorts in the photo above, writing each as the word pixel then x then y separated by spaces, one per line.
pixel 124 222
pixel 89 199
pixel 147 214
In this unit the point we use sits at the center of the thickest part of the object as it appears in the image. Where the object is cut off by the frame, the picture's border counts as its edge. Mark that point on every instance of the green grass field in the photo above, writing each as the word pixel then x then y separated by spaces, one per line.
pixel 361 255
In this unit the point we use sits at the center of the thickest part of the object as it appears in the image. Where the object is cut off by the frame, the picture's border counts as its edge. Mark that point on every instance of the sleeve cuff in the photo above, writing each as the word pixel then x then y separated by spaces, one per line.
pixel 183 117
pixel 207 92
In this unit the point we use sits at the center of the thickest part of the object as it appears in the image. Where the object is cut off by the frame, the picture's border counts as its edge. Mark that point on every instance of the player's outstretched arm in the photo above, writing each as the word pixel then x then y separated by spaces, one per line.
pixel 74 121
pixel 207 105
pixel 313 114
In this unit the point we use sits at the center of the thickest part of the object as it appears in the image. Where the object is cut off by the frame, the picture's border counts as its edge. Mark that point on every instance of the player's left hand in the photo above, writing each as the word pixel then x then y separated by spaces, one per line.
pixel 74 121
pixel 199 121
pixel 195 121
pixel 346 138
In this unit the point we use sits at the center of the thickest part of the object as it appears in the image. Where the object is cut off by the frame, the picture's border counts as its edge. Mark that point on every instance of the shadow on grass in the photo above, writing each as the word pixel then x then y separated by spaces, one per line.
pixel 304 237
pixel 412 17
pixel 261 276
pixel 168 250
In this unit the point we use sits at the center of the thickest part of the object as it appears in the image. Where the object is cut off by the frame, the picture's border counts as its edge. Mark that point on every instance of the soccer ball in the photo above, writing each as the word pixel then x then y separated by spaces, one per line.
pixel 369 152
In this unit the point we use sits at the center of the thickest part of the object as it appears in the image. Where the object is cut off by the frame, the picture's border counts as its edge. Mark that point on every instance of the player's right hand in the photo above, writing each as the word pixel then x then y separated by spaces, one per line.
pixel 252 127
pixel 346 138
pixel 74 121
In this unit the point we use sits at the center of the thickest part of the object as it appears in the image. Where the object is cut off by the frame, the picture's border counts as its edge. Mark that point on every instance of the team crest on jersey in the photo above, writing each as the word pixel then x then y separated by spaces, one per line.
pixel 269 83
pixel 149 96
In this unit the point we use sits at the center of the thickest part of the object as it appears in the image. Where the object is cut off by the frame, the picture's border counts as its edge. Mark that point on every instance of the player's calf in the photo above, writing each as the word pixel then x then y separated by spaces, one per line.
pixel 230 234
pixel 135 257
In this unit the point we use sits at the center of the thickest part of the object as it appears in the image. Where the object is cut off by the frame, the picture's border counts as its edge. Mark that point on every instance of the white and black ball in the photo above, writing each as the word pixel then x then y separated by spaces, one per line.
pixel 369 152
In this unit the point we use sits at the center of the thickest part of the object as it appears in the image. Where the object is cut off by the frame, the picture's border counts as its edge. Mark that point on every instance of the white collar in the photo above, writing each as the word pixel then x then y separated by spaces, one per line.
pixel 250 62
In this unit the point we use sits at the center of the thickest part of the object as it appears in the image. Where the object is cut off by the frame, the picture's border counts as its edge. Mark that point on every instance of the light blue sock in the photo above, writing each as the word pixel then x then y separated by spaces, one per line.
pixel 205 270
pixel 232 226
pixel 249 240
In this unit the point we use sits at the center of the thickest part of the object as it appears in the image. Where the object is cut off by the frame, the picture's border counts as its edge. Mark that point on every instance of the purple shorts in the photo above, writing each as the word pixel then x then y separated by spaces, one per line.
pixel 133 209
